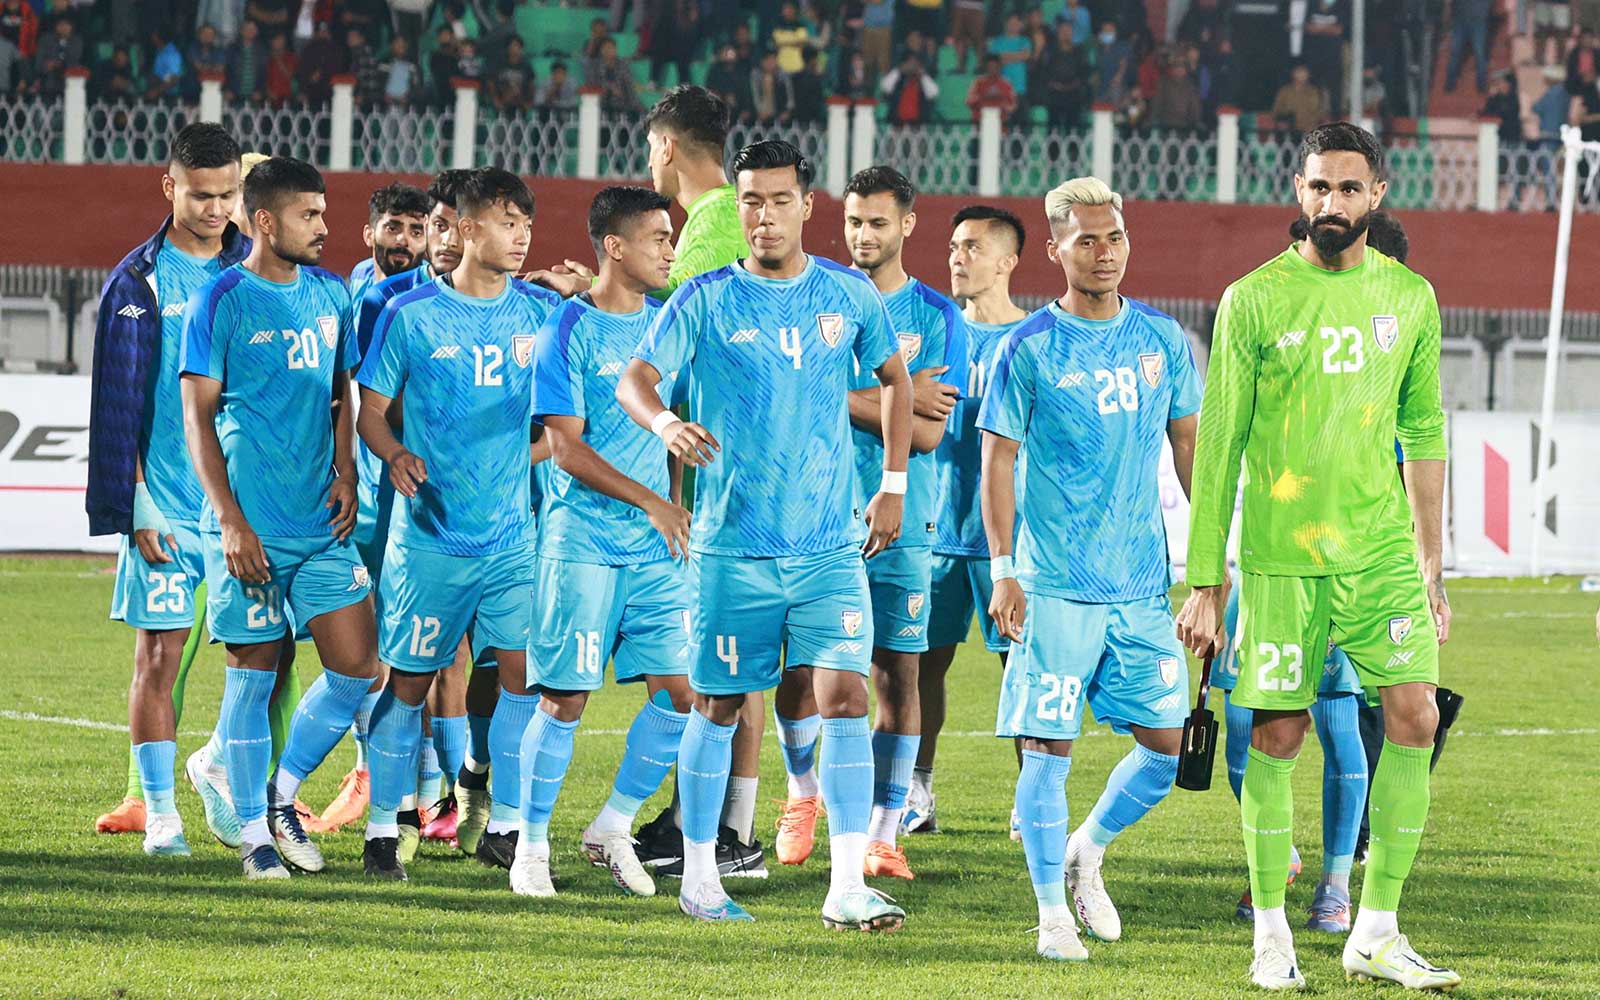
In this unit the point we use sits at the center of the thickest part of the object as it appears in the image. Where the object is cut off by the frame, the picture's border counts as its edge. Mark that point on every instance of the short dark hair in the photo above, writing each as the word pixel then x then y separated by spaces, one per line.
pixel 772 154
pixel 1386 235
pixel 445 186
pixel 1343 137
pixel 616 207
pixel 276 178
pixel 489 186
pixel 695 116
pixel 204 146
pixel 880 179
pixel 396 199
pixel 992 213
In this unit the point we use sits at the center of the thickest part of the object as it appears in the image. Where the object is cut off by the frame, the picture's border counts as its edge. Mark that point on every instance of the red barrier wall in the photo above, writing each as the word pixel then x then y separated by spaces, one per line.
pixel 91 216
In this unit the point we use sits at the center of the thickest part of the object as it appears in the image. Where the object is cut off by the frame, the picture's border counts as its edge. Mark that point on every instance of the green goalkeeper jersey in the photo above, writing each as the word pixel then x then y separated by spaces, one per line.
pixel 1314 376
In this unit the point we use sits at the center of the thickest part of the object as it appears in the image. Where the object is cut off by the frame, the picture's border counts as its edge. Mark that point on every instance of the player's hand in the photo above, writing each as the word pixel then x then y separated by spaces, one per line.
pixel 408 472
pixel 931 398
pixel 691 443
pixel 673 523
pixel 884 515
pixel 242 550
pixel 342 500
pixel 1009 608
pixel 1200 623
pixel 566 279
pixel 1439 604
pixel 149 541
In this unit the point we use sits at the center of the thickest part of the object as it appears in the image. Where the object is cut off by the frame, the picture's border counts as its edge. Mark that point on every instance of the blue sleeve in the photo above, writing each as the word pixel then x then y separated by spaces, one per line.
pixel 875 338
pixel 1186 388
pixel 669 344
pixel 1008 405
pixel 557 370
pixel 384 367
pixel 205 348
pixel 349 354
pixel 957 351
pixel 367 310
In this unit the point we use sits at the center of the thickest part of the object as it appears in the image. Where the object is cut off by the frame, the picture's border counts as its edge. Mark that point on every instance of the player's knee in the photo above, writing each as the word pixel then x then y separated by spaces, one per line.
pixel 677 689
pixel 1162 741
pixel 563 706
pixel 156 656
pixel 1280 735
pixel 720 709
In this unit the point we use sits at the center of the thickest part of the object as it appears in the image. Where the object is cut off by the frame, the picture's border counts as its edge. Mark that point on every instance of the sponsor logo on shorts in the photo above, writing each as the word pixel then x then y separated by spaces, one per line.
pixel 362 579
pixel 329 325
pixel 1385 332
pixel 914 603
pixel 445 352
pixel 1402 658
pixel 830 327
pixel 262 337
pixel 522 349
pixel 851 622
pixel 1168 666
pixel 847 647
pixel 172 309
pixel 1399 628
pixel 1150 366
pixel 1167 703
pixel 910 345
pixel 1071 380
pixel 910 632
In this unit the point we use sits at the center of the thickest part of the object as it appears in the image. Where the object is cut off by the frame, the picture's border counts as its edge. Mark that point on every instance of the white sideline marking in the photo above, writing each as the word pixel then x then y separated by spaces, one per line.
pixel 119 727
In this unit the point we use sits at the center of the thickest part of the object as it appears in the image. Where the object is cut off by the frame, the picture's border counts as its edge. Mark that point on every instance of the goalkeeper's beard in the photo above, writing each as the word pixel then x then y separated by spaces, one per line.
pixel 1331 237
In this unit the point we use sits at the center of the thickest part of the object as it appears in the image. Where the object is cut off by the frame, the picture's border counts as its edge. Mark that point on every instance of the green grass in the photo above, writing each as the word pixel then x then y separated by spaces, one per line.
pixel 1504 890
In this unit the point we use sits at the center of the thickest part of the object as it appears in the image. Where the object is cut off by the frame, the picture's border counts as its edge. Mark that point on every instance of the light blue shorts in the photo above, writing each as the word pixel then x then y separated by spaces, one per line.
pixel 430 599
pixel 961 586
pixel 1124 659
pixel 375 503
pixel 310 577
pixel 160 597
pixel 585 614
pixel 753 615
pixel 898 580
pixel 1339 676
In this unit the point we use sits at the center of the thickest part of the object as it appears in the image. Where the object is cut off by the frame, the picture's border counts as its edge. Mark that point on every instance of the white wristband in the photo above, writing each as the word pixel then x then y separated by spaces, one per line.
pixel 893 482
pixel 1000 568
pixel 663 420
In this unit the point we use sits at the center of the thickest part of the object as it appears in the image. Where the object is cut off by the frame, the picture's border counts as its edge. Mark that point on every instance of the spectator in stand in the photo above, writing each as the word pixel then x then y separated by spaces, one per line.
pixel 1374 95
pixel 877 35
pixel 910 91
pixel 674 39
pixel 1014 50
pixel 1176 103
pixel 401 79
pixel 1552 106
pixel 512 89
pixel 1586 108
pixel 469 65
pixel 926 19
pixel 1200 73
pixel 370 17
pixel 1323 47
pixel 855 78
pixel 116 79
pixel 497 25
pixel 247 66
pixel 992 89
pixel 281 66
pixel 729 81
pixel 226 16
pixel 166 68
pixel 365 67
pixel 60 51
pixel 771 94
pixel 1064 79
pixel 810 91
pixel 791 36
pixel 207 55
pixel 559 93
pixel 443 64
pixel 410 20
pixel 321 60
pixel 744 44
pixel 272 16
pixel 1469 26
pixel 1202 22
pixel 1584 58
pixel 19 40
pixel 1504 106
pixel 597 37
pixel 968 29
pixel 1552 26
pixel 1113 65
pixel 1261 47
pixel 614 78
pixel 1076 15
pixel 1300 105
pixel 619 17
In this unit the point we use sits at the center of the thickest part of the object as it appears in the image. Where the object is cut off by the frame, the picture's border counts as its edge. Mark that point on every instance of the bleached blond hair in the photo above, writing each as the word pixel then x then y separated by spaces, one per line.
pixel 1058 204
pixel 247 162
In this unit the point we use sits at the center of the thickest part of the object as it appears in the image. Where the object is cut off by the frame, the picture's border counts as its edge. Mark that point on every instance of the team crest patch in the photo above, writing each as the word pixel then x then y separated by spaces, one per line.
pixel 330 330
pixel 1385 331
pixel 910 345
pixel 1150 368
pixel 1168 665
pixel 1399 628
pixel 362 578
pixel 851 620
pixel 914 603
pixel 522 349
pixel 830 327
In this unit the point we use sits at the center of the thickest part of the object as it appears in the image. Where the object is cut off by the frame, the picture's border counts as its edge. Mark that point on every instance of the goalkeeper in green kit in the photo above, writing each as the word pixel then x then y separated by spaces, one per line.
pixel 1321 359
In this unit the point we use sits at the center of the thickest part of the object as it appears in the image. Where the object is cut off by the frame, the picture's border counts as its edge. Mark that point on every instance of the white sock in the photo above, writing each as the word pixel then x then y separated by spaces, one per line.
pixel 1272 923
pixel 474 766
pixel 739 808
pixel 160 826
pixel 253 833
pixel 922 777
pixel 407 803
pixel 1374 925
pixel 215 765
pixel 376 830
pixel 849 855
pixel 528 848
pixel 1055 913
pixel 804 786
pixel 611 821
pixel 1089 854
pixel 700 865
pixel 885 824
pixel 500 826
pixel 284 786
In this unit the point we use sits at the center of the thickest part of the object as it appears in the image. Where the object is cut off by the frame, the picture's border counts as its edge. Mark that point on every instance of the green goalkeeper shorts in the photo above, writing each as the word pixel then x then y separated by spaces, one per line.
pixel 1378 616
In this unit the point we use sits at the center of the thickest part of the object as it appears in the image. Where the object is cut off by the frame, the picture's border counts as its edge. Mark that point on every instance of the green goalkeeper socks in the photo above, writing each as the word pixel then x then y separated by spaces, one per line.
pixel 1397 812
pixel 1266 805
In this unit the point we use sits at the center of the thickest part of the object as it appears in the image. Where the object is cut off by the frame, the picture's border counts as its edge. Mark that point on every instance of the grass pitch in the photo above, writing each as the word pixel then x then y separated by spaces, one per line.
pixel 1504 890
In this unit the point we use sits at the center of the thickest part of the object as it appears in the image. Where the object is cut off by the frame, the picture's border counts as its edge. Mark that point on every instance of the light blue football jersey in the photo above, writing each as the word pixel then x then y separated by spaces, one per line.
pixel 582 351
pixel 930 331
pixel 369 305
pixel 466 367
pixel 959 457
pixel 362 277
pixel 275 348
pixel 1090 401
pixel 769 364
pixel 168 472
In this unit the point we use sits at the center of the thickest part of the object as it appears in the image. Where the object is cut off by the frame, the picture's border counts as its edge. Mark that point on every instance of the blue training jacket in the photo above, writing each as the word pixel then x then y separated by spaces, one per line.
pixel 127 336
